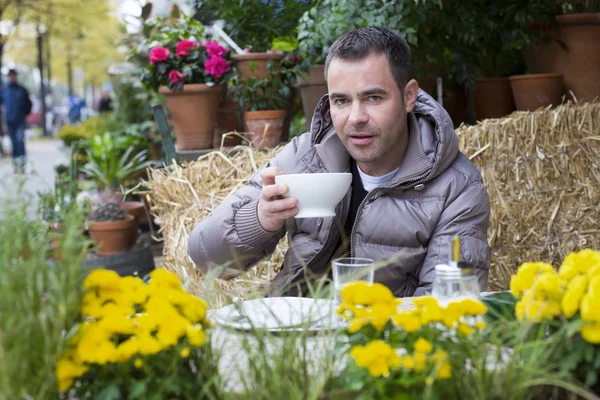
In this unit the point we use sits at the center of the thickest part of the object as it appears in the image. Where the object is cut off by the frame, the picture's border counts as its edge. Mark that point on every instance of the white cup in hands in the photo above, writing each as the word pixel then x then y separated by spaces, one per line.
pixel 273 208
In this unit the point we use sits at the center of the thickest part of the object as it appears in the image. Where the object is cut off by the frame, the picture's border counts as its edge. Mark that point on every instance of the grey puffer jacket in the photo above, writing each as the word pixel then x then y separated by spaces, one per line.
pixel 436 194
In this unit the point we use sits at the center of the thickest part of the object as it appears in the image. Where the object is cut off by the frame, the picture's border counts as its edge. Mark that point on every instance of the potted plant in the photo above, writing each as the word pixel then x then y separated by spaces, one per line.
pixel 263 102
pixel 191 73
pixel 568 45
pixel 110 227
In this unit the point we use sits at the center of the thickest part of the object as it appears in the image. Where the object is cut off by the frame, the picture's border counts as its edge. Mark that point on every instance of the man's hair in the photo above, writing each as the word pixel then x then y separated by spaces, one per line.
pixel 360 43
pixel 12 72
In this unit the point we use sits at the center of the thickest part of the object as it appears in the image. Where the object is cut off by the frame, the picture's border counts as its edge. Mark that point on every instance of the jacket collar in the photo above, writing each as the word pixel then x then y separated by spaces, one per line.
pixel 432 143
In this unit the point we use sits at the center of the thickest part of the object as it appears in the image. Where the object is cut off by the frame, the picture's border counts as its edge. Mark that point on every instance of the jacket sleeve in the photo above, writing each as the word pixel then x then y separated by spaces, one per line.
pixel 467 217
pixel 230 240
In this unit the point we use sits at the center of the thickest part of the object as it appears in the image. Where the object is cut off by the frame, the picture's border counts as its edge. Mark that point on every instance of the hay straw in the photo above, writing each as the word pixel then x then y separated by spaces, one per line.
pixel 541 171
pixel 542 174
pixel 185 195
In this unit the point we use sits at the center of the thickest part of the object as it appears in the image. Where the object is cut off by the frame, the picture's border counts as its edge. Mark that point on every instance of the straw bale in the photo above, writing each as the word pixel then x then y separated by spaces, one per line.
pixel 183 195
pixel 541 170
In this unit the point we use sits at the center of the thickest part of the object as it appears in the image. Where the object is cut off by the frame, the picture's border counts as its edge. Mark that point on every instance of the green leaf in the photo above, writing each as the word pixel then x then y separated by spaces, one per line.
pixel 110 392
pixel 597 360
pixel 137 390
pixel 591 377
pixel 571 361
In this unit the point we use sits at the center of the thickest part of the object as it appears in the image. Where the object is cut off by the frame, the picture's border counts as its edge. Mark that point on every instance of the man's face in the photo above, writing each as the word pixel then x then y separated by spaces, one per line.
pixel 12 78
pixel 369 111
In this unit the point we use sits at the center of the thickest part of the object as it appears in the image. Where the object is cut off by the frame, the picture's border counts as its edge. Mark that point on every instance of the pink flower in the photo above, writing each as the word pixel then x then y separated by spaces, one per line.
pixel 184 47
pixel 216 66
pixel 159 54
pixel 175 77
pixel 214 49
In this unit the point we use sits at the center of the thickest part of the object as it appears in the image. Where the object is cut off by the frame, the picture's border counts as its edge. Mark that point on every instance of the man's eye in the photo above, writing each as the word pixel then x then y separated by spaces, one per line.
pixel 374 98
pixel 339 102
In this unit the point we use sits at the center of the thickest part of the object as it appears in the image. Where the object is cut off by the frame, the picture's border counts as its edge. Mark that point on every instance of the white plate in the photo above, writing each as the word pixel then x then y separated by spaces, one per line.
pixel 276 313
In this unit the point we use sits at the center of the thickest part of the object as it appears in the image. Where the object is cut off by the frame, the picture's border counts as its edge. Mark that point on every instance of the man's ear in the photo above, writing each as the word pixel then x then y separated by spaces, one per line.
pixel 411 90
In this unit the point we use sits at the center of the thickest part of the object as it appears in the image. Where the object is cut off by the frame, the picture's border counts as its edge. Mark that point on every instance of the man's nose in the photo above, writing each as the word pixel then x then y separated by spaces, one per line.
pixel 358 115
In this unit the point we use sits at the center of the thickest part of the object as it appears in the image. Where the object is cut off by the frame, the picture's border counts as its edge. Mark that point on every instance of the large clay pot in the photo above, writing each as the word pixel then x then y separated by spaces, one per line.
pixel 243 63
pixel 456 103
pixel 136 210
pixel 228 120
pixel 312 90
pixel 111 237
pixel 579 62
pixel 493 98
pixel 194 113
pixel 264 127
pixel 536 90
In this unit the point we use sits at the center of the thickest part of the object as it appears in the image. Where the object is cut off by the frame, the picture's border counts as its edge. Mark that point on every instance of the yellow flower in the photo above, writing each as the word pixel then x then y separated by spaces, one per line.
pixel 377 357
pixel 361 292
pixel 196 335
pixel 138 363
pixel 473 307
pixel 440 356
pixel 380 314
pixel 163 278
pixel 420 361
pixel 594 286
pixel 423 346
pixel 102 279
pixel 357 324
pixel 425 301
pixel 534 310
pixel 465 328
pixel 547 286
pixel 67 371
pixel 408 320
pixel 524 278
pixel 445 371
pixel 185 352
pixel 171 329
pixel 408 362
pixel 136 290
pixel 432 313
pixel 117 324
pixel 93 338
pixel 480 325
pixel 128 349
pixel 590 332
pixel 578 263
pixel 452 314
pixel 148 344
pixel 573 295
pixel 589 307
pixel 194 309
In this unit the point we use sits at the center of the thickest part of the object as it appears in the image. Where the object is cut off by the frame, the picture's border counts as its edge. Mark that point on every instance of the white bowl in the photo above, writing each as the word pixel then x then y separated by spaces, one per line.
pixel 318 193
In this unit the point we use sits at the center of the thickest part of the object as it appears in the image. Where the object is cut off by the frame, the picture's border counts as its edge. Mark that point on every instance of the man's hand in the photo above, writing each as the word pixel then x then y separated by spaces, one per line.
pixel 273 209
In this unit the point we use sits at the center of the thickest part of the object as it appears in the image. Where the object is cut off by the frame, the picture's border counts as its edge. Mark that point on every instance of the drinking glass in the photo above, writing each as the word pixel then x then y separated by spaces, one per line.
pixel 348 270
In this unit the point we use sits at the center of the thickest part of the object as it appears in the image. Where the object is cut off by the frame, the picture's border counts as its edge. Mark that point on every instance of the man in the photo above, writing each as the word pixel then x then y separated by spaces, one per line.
pixel 412 189
pixel 17 105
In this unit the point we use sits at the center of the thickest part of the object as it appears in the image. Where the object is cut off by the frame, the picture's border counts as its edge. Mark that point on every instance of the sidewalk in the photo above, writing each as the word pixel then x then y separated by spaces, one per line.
pixel 42 156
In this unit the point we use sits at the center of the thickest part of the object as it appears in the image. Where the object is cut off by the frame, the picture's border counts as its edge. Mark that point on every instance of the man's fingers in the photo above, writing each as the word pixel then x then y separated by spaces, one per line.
pixel 272 191
pixel 268 175
pixel 278 206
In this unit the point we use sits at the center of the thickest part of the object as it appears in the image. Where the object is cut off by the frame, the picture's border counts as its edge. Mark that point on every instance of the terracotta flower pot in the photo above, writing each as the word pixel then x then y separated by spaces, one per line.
pixel 579 62
pixel 136 210
pixel 194 113
pixel 112 237
pixel 312 90
pixel 243 63
pixel 228 120
pixel 264 127
pixel 493 98
pixel 536 90
pixel 456 103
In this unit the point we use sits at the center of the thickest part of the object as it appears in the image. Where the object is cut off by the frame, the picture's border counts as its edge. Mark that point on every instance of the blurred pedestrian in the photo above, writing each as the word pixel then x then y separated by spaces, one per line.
pixel 17 105
pixel 76 104
pixel 105 103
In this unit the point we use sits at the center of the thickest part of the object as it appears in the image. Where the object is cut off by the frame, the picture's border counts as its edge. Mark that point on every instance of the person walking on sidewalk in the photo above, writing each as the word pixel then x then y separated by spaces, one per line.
pixel 17 105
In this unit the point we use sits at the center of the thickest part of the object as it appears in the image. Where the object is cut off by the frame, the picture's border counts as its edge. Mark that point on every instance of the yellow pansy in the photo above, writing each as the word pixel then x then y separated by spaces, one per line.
pixel 408 320
pixel 578 263
pixel 423 346
pixel 589 308
pixel 148 344
pixel 444 371
pixel 473 307
pixel 590 332
pixel 573 295
pixel 547 286
pixel 408 362
pixel 524 278
pixel 377 357
pixel 102 279
pixel 138 363
pixel 185 352
pixel 465 328
pixel 196 335
pixel 127 349
pixel 67 371
pixel 163 278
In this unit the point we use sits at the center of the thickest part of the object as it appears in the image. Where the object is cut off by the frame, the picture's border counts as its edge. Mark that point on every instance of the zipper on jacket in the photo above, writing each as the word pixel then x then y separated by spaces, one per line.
pixel 360 206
